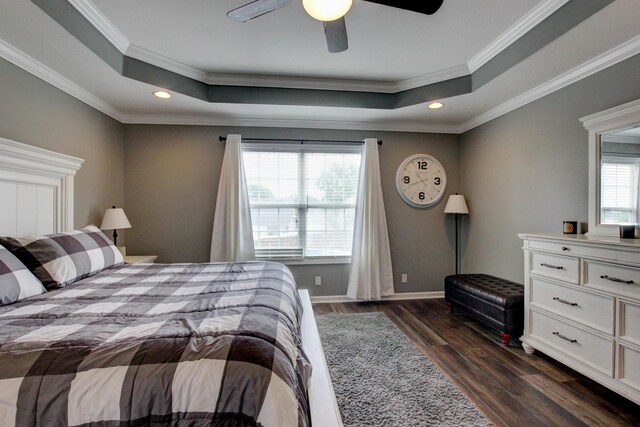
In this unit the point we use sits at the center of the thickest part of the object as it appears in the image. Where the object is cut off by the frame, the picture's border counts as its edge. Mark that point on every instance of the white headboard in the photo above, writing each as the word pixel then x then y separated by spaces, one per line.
pixel 36 189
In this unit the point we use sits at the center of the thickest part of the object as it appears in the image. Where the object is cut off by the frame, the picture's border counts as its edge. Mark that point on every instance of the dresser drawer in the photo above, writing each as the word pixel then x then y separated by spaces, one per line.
pixel 552 247
pixel 629 328
pixel 556 267
pixel 629 366
pixel 612 278
pixel 588 348
pixel 581 306
pixel 569 248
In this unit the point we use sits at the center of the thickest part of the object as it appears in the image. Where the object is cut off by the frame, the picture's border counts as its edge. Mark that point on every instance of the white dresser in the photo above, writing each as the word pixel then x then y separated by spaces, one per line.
pixel 582 305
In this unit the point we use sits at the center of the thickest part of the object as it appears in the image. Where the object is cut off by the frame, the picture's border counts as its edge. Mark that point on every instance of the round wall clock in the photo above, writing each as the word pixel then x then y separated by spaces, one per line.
pixel 421 180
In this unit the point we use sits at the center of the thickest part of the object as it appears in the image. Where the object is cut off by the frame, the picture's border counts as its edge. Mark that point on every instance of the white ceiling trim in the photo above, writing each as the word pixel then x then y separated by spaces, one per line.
pixel 157 119
pixel 521 27
pixel 435 77
pixel 534 17
pixel 161 61
pixel 612 118
pixel 150 57
pixel 613 56
pixel 101 23
pixel 38 69
pixel 600 62
pixel 137 52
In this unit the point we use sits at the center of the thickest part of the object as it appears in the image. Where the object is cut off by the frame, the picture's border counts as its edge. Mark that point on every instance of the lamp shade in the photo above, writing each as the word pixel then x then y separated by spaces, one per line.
pixel 327 10
pixel 115 219
pixel 456 205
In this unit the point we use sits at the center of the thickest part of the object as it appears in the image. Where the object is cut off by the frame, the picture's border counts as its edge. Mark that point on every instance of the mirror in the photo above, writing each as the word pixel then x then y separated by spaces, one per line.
pixel 614 161
pixel 619 177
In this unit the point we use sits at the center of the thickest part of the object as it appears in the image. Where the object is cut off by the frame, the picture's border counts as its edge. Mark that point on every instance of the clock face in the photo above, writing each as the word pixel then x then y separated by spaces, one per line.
pixel 421 180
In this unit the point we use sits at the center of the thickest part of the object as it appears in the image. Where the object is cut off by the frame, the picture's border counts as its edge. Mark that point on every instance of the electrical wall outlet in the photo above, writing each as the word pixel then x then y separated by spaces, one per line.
pixel 318 280
pixel 404 278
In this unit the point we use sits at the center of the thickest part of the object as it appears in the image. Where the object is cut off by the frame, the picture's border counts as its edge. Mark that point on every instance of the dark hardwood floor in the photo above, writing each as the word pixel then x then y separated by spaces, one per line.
pixel 510 387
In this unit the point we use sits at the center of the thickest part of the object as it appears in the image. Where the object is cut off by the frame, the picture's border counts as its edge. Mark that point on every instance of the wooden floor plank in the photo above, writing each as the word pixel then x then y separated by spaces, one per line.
pixel 589 412
pixel 509 386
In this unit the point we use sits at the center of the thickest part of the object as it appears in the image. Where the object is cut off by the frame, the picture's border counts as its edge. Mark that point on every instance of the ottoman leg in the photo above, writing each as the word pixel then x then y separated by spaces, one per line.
pixel 506 338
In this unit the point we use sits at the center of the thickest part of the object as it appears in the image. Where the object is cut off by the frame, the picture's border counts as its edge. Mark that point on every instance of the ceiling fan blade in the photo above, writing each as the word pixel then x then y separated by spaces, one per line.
pixel 427 7
pixel 256 8
pixel 336 33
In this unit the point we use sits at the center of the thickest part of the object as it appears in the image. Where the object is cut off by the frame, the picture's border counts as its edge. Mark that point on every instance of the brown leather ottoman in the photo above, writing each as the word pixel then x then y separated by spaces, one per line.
pixel 496 302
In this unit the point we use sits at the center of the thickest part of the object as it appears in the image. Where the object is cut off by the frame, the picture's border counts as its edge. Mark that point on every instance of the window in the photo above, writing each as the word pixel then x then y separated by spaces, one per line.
pixel 619 190
pixel 302 199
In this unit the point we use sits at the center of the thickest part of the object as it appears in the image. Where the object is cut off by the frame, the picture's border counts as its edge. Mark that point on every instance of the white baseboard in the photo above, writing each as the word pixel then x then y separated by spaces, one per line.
pixel 400 296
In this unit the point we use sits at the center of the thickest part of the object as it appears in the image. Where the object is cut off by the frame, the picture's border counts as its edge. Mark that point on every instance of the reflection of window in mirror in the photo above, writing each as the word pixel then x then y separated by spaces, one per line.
pixel 619 177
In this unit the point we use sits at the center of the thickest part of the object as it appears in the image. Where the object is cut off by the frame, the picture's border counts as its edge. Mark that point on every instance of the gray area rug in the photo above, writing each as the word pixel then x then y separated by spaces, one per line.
pixel 382 379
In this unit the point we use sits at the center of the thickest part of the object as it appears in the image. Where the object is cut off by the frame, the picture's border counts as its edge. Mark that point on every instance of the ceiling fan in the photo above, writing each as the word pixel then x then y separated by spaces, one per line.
pixel 330 12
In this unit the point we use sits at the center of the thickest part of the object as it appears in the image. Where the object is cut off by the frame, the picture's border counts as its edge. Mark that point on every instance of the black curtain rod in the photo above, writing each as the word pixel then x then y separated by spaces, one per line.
pixel 297 141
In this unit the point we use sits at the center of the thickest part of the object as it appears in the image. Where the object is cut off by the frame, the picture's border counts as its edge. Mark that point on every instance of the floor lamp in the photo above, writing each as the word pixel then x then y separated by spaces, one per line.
pixel 458 206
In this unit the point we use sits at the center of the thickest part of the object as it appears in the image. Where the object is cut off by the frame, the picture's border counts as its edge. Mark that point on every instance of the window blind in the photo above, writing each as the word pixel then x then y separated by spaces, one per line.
pixel 619 191
pixel 302 200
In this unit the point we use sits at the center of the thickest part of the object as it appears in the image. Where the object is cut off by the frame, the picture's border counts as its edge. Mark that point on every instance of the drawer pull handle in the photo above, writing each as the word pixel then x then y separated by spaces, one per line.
pixel 556 267
pixel 564 301
pixel 615 279
pixel 565 249
pixel 559 335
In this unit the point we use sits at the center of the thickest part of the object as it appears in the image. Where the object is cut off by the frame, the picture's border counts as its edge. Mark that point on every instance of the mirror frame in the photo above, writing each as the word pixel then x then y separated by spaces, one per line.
pixel 615 119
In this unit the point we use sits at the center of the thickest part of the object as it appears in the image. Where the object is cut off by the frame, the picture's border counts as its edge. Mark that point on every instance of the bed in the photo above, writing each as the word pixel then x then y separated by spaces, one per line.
pixel 229 344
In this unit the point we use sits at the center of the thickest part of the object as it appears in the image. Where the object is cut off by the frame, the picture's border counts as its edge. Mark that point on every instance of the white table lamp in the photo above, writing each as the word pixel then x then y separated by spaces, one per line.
pixel 458 206
pixel 115 219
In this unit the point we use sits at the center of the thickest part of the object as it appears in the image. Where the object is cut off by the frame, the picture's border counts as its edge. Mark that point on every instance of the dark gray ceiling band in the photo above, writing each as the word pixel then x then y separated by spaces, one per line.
pixel 555 25
pixel 71 20
pixel 158 76
pixel 561 21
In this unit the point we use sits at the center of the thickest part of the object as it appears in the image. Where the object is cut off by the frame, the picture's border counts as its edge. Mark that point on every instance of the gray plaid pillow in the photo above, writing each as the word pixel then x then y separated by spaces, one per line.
pixel 63 258
pixel 16 282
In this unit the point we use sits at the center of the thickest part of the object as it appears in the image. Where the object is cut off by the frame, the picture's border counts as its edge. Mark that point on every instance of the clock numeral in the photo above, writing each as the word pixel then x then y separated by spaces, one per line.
pixel 406 180
pixel 436 180
pixel 422 165
pixel 421 195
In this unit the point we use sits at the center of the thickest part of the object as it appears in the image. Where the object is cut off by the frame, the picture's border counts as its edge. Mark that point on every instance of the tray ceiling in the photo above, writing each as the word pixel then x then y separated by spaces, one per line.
pixel 397 56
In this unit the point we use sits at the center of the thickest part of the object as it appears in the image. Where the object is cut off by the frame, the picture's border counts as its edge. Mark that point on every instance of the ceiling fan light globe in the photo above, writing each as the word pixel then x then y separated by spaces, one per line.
pixel 327 10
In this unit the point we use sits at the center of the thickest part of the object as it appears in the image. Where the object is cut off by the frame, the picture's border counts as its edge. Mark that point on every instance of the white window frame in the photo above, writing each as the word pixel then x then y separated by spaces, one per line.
pixel 621 159
pixel 306 148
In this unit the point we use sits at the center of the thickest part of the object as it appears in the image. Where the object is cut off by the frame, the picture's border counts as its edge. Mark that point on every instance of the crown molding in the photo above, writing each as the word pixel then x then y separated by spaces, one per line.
pixel 101 23
pixel 145 55
pixel 431 78
pixel 107 29
pixel 150 57
pixel 607 59
pixel 119 40
pixel 613 56
pixel 613 118
pixel 198 120
pixel 534 17
pixel 38 69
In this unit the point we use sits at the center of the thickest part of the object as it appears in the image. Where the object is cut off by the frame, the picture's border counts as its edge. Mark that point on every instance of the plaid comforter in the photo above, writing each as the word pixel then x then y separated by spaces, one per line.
pixel 158 344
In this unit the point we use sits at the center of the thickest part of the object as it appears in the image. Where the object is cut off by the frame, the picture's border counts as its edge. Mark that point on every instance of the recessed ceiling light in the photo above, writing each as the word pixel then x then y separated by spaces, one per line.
pixel 162 94
pixel 436 105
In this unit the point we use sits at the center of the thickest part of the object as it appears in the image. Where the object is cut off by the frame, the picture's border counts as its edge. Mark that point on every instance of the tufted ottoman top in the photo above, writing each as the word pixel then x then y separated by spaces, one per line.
pixel 488 288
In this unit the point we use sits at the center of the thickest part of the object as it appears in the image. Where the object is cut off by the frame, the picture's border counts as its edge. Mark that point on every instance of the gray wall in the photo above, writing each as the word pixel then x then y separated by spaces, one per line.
pixel 36 113
pixel 527 170
pixel 171 180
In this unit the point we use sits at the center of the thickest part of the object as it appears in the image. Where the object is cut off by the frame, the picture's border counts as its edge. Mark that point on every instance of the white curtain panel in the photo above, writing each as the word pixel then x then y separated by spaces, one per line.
pixel 371 275
pixel 232 238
